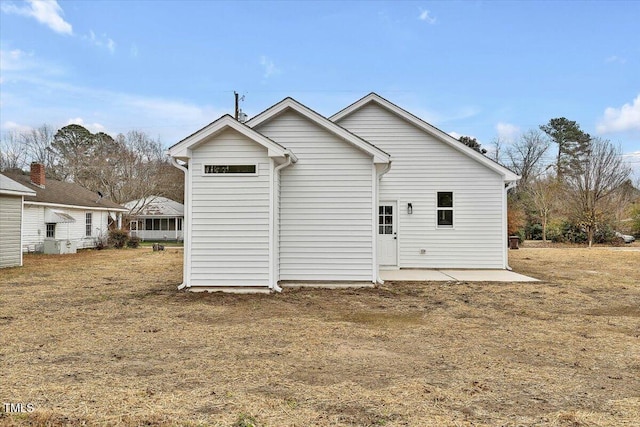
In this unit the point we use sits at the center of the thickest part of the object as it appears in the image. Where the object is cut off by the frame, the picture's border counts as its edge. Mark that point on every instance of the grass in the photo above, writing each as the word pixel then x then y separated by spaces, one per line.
pixel 104 338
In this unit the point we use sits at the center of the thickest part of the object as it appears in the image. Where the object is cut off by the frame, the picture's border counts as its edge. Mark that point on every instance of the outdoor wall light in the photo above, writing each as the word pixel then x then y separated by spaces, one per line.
pixel 409 208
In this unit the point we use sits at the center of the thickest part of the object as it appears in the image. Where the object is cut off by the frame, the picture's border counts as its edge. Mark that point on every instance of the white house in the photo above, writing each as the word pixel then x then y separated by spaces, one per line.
pixel 62 216
pixel 11 198
pixel 294 197
pixel 155 218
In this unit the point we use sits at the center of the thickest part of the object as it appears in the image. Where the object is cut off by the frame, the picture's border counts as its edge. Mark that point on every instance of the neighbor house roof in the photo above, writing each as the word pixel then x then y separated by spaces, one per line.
pixel 12 188
pixel 180 150
pixel 379 156
pixel 428 128
pixel 155 206
pixel 64 193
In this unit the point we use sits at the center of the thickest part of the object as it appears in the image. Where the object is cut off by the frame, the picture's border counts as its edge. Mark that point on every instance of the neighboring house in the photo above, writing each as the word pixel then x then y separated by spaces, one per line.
pixel 11 197
pixel 155 218
pixel 293 197
pixel 62 216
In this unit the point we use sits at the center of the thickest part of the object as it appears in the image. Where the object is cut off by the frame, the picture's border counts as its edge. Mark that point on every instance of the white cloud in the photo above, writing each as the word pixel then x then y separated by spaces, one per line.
pixel 623 119
pixel 91 127
pixel 270 68
pixel 12 60
pixel 101 41
pixel 507 132
pixel 13 126
pixel 47 12
pixel 616 58
pixel 425 16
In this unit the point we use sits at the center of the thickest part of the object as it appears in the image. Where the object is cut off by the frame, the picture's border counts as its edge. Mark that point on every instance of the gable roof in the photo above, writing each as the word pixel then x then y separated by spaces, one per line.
pixel 155 206
pixel 180 150
pixel 64 193
pixel 10 187
pixel 379 156
pixel 428 128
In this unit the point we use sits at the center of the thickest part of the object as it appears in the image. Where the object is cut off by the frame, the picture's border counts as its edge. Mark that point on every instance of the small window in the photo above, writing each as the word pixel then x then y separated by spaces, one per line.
pixel 179 224
pixel 51 229
pixel 88 224
pixel 229 169
pixel 148 224
pixel 445 209
pixel 385 219
pixel 172 224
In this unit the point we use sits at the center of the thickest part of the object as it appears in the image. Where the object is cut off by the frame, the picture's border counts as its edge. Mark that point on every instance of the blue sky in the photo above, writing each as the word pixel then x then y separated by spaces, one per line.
pixel 484 68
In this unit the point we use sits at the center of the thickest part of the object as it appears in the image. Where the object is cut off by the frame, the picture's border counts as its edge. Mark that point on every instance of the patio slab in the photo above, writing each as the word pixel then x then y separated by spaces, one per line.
pixel 443 275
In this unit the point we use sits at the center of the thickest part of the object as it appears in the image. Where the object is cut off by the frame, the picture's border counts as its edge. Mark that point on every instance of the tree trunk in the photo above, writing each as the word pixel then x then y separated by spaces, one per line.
pixel 544 230
pixel 590 235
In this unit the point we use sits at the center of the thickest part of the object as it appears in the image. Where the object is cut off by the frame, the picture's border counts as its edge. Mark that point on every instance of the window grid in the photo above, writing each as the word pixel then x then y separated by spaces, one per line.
pixel 88 224
pixel 445 209
pixel 229 169
pixel 385 220
pixel 51 229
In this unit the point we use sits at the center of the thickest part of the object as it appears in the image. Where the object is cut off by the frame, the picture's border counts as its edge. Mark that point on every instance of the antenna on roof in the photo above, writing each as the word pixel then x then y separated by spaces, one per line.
pixel 239 114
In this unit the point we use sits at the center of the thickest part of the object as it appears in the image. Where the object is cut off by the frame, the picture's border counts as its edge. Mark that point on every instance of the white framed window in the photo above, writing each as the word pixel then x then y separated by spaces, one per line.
pixel 161 224
pixel 51 229
pixel 88 221
pixel 444 212
pixel 230 169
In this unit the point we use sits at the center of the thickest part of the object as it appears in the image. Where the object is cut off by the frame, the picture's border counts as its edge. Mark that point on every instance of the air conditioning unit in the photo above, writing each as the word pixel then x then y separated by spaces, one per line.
pixel 59 246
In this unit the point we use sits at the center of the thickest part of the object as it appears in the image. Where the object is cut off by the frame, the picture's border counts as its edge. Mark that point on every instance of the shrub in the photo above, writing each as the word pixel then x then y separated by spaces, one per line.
pixel 118 238
pixel 133 242
pixel 101 242
pixel 604 234
pixel 534 231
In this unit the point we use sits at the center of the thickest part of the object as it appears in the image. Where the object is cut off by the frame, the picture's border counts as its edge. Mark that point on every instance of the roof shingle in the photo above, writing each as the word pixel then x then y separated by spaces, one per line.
pixel 64 193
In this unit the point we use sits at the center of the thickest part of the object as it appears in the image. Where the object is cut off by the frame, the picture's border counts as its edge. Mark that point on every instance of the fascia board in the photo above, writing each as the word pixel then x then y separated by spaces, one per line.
pixel 182 149
pixel 17 193
pixel 378 155
pixel 428 128
pixel 86 208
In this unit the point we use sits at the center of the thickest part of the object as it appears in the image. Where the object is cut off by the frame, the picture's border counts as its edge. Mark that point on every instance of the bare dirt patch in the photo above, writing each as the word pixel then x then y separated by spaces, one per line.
pixel 104 338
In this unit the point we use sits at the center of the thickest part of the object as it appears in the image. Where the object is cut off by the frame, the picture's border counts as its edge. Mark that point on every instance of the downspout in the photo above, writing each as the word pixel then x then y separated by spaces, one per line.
pixel 375 236
pixel 291 158
pixel 174 163
pixel 507 187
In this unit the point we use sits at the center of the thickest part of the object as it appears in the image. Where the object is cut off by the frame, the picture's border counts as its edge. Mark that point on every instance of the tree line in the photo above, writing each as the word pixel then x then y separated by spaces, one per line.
pixel 573 187
pixel 128 167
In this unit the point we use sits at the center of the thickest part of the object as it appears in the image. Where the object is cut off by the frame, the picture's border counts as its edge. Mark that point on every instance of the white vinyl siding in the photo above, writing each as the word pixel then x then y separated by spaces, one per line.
pixel 10 225
pixel 34 228
pixel 423 166
pixel 325 217
pixel 230 215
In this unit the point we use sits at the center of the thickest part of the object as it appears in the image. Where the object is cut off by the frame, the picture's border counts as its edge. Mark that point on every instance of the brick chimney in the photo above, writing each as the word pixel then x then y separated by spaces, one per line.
pixel 37 174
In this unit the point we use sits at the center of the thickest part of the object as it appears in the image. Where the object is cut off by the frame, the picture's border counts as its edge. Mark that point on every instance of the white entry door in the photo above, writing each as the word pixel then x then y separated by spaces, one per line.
pixel 387 233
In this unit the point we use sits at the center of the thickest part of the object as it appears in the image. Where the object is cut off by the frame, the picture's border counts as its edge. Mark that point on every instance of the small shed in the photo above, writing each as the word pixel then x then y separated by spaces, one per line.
pixel 11 207
pixel 156 218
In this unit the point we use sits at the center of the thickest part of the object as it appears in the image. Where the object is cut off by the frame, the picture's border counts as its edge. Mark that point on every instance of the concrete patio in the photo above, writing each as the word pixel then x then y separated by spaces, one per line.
pixel 445 275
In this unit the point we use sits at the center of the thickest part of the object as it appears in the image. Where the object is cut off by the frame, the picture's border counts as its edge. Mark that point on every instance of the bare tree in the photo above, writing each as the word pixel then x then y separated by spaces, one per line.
pixel 38 145
pixel 130 167
pixel 496 152
pixel 544 196
pixel 525 157
pixel 600 172
pixel 13 154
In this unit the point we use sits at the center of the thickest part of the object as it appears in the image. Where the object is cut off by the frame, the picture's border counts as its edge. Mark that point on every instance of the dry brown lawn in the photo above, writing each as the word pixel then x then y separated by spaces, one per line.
pixel 104 338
